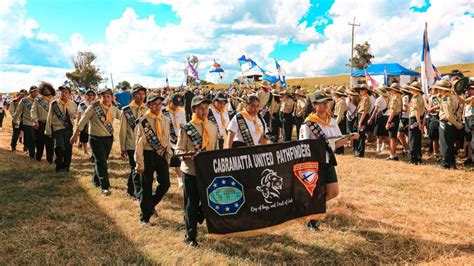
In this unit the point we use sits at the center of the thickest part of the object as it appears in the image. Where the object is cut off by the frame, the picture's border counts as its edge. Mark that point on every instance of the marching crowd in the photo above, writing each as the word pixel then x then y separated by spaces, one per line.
pixel 168 127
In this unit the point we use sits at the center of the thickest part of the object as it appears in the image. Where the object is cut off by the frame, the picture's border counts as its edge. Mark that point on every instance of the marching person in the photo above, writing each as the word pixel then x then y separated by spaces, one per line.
pixel 23 116
pixel 100 117
pixel 300 108
pixel 340 110
pixel 59 126
pixel 404 119
pixel 469 123
pixel 195 136
pixel 379 117
pixel 448 123
pixel 16 127
pixel 152 155
pixel 320 125
pixel 286 111
pixel 39 115
pixel 416 122
pixel 432 121
pixel 3 105
pixel 247 128
pixel 363 111
pixel 265 96
pixel 128 121
pixel 393 120
pixel 176 115
pixel 219 116
pixel 275 122
pixel 81 109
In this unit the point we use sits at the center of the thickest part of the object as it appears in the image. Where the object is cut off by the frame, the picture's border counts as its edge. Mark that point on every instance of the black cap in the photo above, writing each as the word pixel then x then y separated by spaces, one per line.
pixel 90 91
pixel 33 88
pixel 319 97
pixel 105 90
pixel 64 87
pixel 154 97
pixel 176 99
pixel 137 88
pixel 197 100
pixel 220 97
pixel 23 91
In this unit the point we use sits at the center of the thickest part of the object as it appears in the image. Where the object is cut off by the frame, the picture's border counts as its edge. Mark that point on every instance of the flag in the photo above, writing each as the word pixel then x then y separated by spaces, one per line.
pixel 216 68
pixel 371 81
pixel 385 77
pixel 427 71
pixel 246 63
pixel 167 84
pixel 270 78
pixel 281 73
pixel 192 72
pixel 437 73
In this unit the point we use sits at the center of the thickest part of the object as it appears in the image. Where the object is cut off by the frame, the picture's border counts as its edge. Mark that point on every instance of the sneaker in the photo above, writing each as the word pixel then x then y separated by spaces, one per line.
pixel 106 192
pixel 180 183
pixel 191 242
pixel 390 158
pixel 313 225
pixel 145 223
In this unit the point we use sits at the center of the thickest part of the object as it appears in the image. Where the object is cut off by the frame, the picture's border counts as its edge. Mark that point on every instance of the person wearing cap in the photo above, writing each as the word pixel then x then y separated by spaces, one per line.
pixel 247 128
pixel 275 122
pixel 39 115
pixel 128 121
pixel 81 109
pixel 363 112
pixel 219 116
pixel 448 123
pixel 3 105
pixel 416 122
pixel 16 132
pixel 405 117
pixel 393 120
pixel 287 108
pixel 432 121
pixel 100 117
pixel 195 136
pixel 23 115
pixel 59 124
pixel 152 155
pixel 123 97
pixel 469 122
pixel 320 125
pixel 300 109
pixel 352 101
pixel 340 110
pixel 188 97
pixel 379 116
pixel 265 97
pixel 176 115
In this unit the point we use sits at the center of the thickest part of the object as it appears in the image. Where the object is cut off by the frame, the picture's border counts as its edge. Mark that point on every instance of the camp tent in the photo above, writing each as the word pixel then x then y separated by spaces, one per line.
pixel 393 70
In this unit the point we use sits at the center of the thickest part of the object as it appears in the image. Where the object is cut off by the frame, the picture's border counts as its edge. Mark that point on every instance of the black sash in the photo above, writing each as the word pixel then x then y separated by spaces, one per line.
pixel 173 135
pixel 27 103
pixel 83 107
pixel 102 117
pixel 194 136
pixel 131 118
pixel 65 120
pixel 244 130
pixel 211 117
pixel 42 103
pixel 151 136
pixel 319 133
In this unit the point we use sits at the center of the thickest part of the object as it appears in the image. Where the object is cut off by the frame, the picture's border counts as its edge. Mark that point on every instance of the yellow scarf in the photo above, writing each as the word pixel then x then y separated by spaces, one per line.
pixel 173 112
pixel 108 118
pixel 159 130
pixel 313 117
pixel 206 140
pixel 245 114
pixel 63 102
pixel 139 107
pixel 221 115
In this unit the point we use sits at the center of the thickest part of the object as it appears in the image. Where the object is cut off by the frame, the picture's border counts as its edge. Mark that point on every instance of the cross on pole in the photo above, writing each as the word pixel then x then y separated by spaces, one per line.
pixel 353 24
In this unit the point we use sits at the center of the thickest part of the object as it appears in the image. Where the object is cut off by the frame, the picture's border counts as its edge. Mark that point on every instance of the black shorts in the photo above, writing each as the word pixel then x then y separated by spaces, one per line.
pixel 175 161
pixel 404 123
pixel 380 130
pixel 433 127
pixel 392 131
pixel 84 136
pixel 331 175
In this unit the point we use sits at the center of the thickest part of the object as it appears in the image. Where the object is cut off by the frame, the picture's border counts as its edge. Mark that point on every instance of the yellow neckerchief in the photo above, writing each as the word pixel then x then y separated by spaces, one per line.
pixel 47 97
pixel 313 117
pixel 206 141
pixel 31 98
pixel 139 107
pixel 158 117
pixel 221 114
pixel 254 119
pixel 173 112
pixel 107 113
pixel 63 102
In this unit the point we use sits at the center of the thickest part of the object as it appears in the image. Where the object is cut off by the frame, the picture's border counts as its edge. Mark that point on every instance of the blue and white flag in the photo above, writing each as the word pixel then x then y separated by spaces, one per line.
pixel 246 63
pixel 281 74
pixel 428 73
pixel 385 77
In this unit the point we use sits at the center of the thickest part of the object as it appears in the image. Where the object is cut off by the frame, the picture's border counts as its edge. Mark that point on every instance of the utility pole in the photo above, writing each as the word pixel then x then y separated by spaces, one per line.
pixel 112 79
pixel 352 47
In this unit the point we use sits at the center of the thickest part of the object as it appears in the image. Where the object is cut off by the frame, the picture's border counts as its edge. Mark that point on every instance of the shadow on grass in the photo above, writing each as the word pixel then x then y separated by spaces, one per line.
pixel 48 218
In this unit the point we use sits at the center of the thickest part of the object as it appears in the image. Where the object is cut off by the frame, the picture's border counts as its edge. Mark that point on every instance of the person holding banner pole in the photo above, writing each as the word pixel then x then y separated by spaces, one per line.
pixel 320 125
pixel 195 136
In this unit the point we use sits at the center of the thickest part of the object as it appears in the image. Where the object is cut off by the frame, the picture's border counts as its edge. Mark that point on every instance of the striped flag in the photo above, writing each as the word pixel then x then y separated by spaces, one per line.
pixel 428 73
pixel 370 80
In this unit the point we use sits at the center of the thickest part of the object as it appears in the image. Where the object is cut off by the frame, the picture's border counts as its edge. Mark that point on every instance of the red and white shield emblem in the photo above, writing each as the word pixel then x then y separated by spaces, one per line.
pixel 307 174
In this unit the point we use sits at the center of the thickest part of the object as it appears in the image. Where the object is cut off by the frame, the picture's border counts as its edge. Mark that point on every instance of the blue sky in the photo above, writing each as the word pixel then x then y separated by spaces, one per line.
pixel 146 41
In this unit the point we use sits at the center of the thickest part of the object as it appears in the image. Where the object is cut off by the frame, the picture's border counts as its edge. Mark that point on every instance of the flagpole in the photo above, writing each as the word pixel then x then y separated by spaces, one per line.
pixel 245 80
pixel 352 48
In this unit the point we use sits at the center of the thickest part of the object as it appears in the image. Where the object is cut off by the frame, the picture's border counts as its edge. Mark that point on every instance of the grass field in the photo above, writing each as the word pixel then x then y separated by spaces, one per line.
pixel 387 212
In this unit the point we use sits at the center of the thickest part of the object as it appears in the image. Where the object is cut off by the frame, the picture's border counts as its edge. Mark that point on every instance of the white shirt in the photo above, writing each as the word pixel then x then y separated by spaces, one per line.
pixel 372 102
pixel 351 108
pixel 405 100
pixel 330 131
pixel 217 116
pixel 381 103
pixel 234 127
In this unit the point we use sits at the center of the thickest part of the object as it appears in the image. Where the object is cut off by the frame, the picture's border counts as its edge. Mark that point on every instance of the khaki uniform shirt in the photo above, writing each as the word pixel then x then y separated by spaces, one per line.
pixel 394 105
pixel 364 105
pixel 185 145
pixel 300 108
pixel 264 97
pixel 143 145
pixel 274 107
pixel 126 133
pixel 417 104
pixel 24 112
pixel 52 121
pixel 13 106
pixel 96 126
pixel 448 108
pixel 38 112
pixel 340 109
pixel 287 106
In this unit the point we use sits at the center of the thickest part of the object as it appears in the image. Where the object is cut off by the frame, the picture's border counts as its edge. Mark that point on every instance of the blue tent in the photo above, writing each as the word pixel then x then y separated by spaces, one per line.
pixel 393 69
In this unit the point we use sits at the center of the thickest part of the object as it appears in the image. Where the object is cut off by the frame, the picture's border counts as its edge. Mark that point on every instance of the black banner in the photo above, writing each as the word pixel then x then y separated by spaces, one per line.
pixel 245 190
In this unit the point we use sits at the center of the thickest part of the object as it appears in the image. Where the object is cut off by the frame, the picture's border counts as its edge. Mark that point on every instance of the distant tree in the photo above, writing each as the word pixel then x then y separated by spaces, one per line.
pixel 362 56
pixel 124 83
pixel 85 74
pixel 205 82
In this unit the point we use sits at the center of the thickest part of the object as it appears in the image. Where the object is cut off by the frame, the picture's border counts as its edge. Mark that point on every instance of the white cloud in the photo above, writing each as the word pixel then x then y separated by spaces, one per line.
pixel 307 34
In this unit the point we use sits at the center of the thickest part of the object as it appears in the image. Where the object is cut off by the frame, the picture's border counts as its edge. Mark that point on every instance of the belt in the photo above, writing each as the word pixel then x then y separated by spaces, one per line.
pixel 446 122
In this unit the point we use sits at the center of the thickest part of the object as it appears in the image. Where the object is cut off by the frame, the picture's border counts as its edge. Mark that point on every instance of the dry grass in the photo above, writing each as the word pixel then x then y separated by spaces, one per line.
pixel 387 212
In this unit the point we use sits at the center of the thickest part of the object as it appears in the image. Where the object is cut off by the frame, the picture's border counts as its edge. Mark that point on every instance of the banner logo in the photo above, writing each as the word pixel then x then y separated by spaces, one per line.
pixel 307 174
pixel 270 185
pixel 225 195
